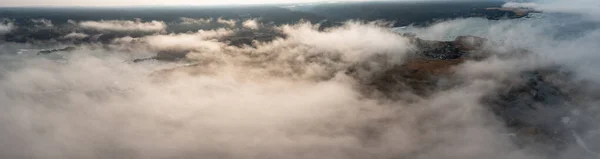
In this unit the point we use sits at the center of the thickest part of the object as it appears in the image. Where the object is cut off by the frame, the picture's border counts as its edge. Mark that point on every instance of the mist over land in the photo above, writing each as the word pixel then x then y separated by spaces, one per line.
pixel 341 81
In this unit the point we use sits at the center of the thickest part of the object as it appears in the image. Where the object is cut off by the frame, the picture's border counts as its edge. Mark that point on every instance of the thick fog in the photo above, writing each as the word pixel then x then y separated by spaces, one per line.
pixel 291 97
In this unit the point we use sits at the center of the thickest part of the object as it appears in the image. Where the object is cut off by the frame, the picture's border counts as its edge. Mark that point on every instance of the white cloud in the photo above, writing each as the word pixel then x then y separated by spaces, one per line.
pixel 124 25
pixel 185 20
pixel 230 22
pixel 70 21
pixel 250 24
pixel 520 5
pixel 42 22
pixel 76 35
pixel 355 41
pixel 199 41
pixel 6 27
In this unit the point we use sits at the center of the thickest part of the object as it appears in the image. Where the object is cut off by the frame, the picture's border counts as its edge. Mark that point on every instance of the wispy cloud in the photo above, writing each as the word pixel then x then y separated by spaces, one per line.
pixel 124 25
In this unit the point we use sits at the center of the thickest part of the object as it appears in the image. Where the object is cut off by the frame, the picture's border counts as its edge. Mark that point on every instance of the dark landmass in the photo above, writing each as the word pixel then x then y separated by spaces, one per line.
pixel 170 55
pixel 28 31
pixel 66 49
pixel 328 15
pixel 410 13
pixel 60 16
pixel 510 12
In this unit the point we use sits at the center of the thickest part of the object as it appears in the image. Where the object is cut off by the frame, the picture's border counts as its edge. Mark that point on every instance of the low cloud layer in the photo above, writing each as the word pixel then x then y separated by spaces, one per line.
pixel 311 93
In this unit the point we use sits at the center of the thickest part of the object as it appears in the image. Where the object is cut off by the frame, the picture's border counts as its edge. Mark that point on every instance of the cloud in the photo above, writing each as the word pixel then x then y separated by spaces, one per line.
pixel 124 25
pixel 308 94
pixel 567 45
pixel 76 35
pixel 250 24
pixel 201 40
pixel 242 101
pixel 6 27
pixel 230 22
pixel 42 22
pixel 185 20
pixel 73 22
pixel 354 40
pixel 520 5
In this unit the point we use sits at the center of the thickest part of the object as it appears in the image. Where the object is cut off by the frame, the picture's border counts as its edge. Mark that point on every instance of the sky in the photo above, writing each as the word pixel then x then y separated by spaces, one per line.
pixel 147 2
